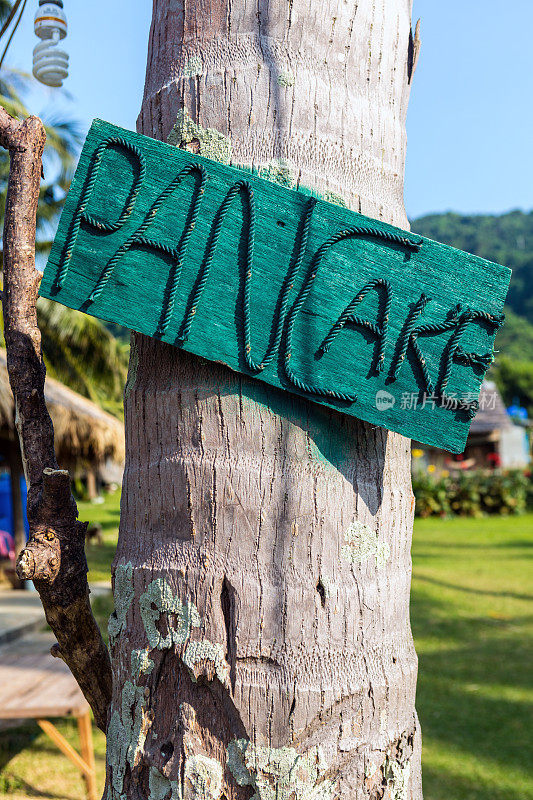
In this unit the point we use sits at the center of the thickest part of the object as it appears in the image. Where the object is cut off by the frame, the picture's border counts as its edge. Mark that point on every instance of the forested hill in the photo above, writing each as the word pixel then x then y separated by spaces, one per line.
pixel 506 239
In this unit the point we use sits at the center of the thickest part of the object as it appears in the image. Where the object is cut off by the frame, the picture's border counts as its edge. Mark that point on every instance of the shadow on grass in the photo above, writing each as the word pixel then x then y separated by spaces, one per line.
pixel 21 735
pixel 461 696
pixel 23 786
pixel 469 590
pixel 12 741
pixel 442 785
pixel 107 515
pixel 111 521
pixel 438 544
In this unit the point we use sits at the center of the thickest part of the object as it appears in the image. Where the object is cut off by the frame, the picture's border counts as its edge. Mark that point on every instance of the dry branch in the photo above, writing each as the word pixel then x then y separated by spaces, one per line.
pixel 54 557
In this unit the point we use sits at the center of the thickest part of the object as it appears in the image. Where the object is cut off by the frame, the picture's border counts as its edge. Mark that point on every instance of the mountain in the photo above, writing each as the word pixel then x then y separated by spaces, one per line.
pixel 506 239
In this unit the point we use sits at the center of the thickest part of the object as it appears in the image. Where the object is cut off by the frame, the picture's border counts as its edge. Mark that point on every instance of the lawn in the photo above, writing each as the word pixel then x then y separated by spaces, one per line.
pixel 472 621
pixel 99 557
pixel 32 767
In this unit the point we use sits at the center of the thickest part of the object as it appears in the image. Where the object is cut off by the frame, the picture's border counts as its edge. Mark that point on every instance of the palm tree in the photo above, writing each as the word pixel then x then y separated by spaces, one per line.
pixel 79 350
pixel 257 647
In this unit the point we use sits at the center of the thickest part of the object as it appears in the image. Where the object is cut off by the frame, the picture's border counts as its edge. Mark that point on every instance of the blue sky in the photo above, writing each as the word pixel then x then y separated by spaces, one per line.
pixel 470 143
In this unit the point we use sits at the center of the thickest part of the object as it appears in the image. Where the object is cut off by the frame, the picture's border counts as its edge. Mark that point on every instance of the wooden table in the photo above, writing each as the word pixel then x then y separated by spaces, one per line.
pixel 34 685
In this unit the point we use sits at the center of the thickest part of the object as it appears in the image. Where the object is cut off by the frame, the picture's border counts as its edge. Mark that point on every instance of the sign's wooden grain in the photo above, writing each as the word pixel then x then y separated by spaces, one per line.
pixel 305 295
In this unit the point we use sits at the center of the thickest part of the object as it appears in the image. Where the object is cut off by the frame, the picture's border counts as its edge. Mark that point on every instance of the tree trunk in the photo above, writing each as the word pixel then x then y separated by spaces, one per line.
pixel 261 642
pixel 92 487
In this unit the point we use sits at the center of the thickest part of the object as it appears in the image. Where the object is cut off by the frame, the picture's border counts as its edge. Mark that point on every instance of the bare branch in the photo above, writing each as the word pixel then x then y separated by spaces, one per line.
pixel 54 557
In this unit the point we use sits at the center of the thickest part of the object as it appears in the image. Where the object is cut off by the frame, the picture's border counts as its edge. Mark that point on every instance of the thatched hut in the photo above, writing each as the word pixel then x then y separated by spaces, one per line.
pixel 86 437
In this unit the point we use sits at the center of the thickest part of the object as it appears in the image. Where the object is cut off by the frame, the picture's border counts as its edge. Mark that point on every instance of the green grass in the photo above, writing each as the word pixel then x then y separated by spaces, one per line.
pixel 31 766
pixel 99 557
pixel 472 619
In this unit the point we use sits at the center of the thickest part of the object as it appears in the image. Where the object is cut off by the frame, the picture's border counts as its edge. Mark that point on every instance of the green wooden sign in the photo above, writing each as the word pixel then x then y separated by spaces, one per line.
pixel 305 295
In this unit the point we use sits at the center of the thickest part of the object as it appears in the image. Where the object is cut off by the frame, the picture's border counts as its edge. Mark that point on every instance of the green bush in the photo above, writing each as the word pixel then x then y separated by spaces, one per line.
pixel 472 494
pixel 514 378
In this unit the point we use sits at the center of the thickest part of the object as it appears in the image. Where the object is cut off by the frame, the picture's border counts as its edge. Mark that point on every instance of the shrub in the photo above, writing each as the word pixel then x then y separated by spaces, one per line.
pixel 472 494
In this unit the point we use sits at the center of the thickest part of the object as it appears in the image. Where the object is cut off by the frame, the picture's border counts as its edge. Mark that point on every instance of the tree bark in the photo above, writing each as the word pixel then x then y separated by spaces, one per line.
pixel 261 638
pixel 92 488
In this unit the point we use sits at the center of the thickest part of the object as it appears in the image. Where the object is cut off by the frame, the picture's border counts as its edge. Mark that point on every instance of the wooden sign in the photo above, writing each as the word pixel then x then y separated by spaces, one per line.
pixel 305 295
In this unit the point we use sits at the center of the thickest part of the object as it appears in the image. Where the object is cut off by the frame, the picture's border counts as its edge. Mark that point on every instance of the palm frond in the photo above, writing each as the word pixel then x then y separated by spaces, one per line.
pixel 80 352
pixel 63 139
pixel 5 9
pixel 7 12
pixel 12 102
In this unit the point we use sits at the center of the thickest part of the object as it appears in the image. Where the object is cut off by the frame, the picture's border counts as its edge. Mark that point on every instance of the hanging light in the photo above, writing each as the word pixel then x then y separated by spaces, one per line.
pixel 50 63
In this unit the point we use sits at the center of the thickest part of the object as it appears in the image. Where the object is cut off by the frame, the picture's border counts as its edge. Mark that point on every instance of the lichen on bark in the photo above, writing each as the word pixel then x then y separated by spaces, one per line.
pixel 123 594
pixel 362 543
pixel 397 775
pixel 198 652
pixel 141 664
pixel 280 773
pixel 126 733
pixel 159 599
pixel 207 141
pixel 202 780
pixel 193 67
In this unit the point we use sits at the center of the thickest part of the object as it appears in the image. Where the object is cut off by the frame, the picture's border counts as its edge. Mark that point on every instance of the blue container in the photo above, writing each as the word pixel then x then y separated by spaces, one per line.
pixel 6 506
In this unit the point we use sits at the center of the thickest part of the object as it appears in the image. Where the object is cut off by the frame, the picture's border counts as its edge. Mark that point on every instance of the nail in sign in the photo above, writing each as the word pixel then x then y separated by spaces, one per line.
pixel 307 296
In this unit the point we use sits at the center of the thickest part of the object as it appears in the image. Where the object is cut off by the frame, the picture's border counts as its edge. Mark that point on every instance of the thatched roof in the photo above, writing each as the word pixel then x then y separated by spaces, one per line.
pixel 83 431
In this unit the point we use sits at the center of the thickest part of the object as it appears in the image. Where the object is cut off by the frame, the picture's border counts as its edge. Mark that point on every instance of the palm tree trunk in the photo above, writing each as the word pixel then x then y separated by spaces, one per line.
pixel 261 639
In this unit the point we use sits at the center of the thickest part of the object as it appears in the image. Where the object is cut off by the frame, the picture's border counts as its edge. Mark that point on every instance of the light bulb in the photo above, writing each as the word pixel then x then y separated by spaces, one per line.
pixel 50 62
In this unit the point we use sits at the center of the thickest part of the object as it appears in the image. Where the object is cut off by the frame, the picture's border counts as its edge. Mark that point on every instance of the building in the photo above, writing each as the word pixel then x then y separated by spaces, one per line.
pixel 495 440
